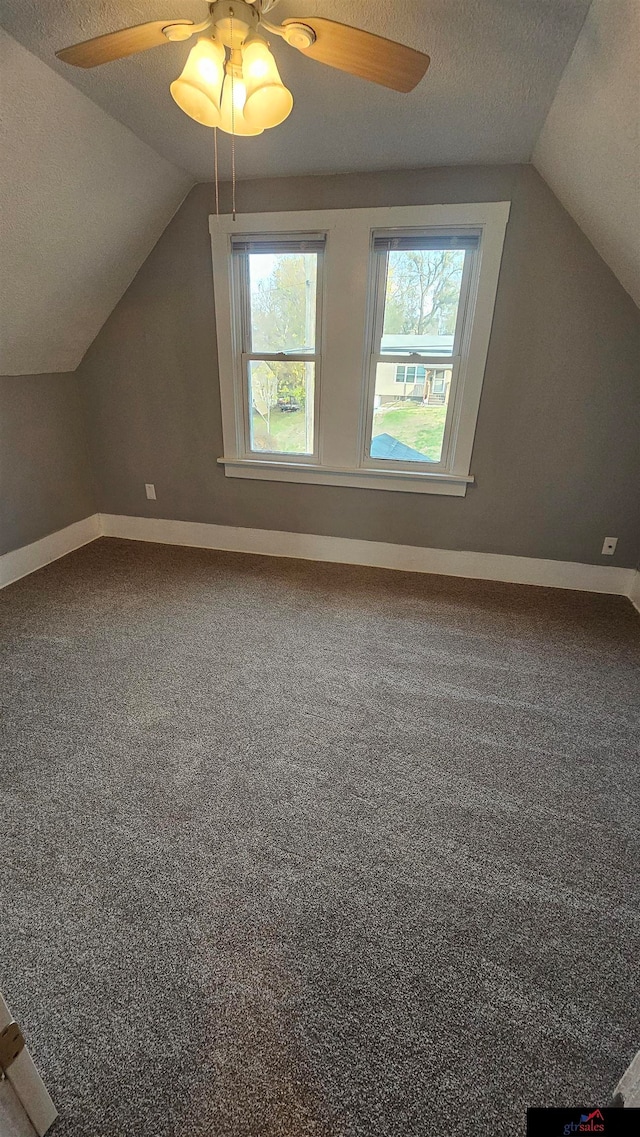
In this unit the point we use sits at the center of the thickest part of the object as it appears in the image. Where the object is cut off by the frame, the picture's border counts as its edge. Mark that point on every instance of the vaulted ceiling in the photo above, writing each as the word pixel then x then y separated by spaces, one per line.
pixel 589 147
pixel 95 162
pixel 495 66
pixel 83 203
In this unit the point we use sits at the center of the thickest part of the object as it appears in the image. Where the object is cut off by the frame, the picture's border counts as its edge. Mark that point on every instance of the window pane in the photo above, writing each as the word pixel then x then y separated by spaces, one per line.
pixel 283 301
pixel 409 418
pixel 281 401
pixel 421 301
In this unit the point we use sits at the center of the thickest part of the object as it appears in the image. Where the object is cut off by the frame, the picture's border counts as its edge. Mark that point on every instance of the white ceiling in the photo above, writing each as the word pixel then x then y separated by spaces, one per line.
pixel 589 148
pixel 494 71
pixel 83 203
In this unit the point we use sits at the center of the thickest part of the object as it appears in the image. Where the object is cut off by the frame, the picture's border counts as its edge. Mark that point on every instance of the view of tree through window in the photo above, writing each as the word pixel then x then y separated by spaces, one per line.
pixel 283 290
pixel 422 293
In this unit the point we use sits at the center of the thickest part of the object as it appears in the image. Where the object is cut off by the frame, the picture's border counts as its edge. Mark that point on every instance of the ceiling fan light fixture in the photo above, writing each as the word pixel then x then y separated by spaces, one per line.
pixel 197 90
pixel 268 101
pixel 234 94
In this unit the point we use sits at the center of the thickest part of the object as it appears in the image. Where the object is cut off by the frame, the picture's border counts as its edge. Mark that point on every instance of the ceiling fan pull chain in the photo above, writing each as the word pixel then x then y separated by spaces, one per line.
pixel 233 127
pixel 233 175
pixel 215 169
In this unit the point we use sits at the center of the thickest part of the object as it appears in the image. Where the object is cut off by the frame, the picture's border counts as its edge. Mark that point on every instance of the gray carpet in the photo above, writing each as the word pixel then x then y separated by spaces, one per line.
pixel 294 849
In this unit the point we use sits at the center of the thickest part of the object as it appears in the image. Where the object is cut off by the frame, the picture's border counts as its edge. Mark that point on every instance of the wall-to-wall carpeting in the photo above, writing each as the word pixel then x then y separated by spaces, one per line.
pixel 308 849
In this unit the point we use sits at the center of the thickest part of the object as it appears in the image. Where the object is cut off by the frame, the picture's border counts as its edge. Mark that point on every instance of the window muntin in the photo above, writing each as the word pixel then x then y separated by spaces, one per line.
pixel 410 373
pixel 278 294
pixel 420 291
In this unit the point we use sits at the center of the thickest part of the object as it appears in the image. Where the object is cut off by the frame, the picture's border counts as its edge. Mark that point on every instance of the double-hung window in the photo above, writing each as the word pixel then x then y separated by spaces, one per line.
pixel 420 295
pixel 352 344
pixel 278 303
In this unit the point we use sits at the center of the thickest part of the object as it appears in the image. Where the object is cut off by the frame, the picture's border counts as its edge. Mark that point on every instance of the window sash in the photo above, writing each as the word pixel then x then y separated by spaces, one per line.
pixel 391 463
pixel 281 356
pixel 272 243
pixel 410 240
pixel 415 358
pixel 279 455
pixel 378 287
pixel 242 291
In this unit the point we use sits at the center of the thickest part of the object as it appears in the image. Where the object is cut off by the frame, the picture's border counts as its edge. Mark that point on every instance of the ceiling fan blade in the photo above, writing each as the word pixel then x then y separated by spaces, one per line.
pixel 117 45
pixel 364 54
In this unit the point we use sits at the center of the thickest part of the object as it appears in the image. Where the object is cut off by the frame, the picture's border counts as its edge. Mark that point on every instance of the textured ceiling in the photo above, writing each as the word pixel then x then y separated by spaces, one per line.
pixel 589 148
pixel 83 203
pixel 494 71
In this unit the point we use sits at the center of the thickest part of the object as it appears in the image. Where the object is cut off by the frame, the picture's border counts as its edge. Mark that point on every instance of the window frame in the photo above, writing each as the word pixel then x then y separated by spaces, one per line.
pixel 242 341
pixel 377 296
pixel 343 387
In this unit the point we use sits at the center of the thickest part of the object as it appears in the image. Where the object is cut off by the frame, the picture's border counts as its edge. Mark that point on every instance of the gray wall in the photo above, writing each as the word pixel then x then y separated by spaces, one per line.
pixel 45 478
pixel 556 456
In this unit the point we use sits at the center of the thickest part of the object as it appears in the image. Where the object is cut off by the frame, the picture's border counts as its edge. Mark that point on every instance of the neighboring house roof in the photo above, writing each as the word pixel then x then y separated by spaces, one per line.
pixel 385 446
pixel 427 345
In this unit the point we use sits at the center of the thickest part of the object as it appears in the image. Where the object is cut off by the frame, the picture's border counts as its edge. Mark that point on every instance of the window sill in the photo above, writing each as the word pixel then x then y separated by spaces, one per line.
pixel 450 485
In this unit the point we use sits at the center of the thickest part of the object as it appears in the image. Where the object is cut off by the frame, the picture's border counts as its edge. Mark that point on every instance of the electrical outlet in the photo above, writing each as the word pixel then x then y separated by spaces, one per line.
pixel 609 547
pixel 150 490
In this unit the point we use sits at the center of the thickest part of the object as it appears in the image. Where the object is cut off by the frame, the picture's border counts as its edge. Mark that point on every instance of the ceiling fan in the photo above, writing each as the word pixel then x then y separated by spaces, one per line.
pixel 242 93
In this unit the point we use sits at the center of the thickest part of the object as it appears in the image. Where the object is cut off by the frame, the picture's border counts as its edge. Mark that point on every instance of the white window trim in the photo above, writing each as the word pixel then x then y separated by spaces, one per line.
pixel 345 346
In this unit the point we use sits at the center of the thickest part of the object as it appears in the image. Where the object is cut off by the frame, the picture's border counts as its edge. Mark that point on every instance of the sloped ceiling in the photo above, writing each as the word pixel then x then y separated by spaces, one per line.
pixel 83 203
pixel 85 196
pixel 589 148
pixel 495 66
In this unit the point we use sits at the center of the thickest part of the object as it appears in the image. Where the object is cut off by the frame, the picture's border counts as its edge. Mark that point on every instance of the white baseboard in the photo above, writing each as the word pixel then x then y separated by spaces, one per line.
pixel 310 547
pixel 344 550
pixel 23 561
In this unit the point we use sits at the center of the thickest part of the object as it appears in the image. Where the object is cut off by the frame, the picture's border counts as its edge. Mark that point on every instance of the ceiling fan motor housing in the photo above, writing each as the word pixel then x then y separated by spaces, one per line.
pixel 233 20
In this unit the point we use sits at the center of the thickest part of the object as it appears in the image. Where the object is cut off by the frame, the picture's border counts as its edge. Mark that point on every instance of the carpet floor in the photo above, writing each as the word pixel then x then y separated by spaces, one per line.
pixel 294 849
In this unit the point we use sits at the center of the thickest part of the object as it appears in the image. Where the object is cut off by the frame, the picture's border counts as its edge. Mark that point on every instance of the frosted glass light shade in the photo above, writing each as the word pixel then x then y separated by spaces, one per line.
pixel 197 91
pixel 237 124
pixel 268 101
